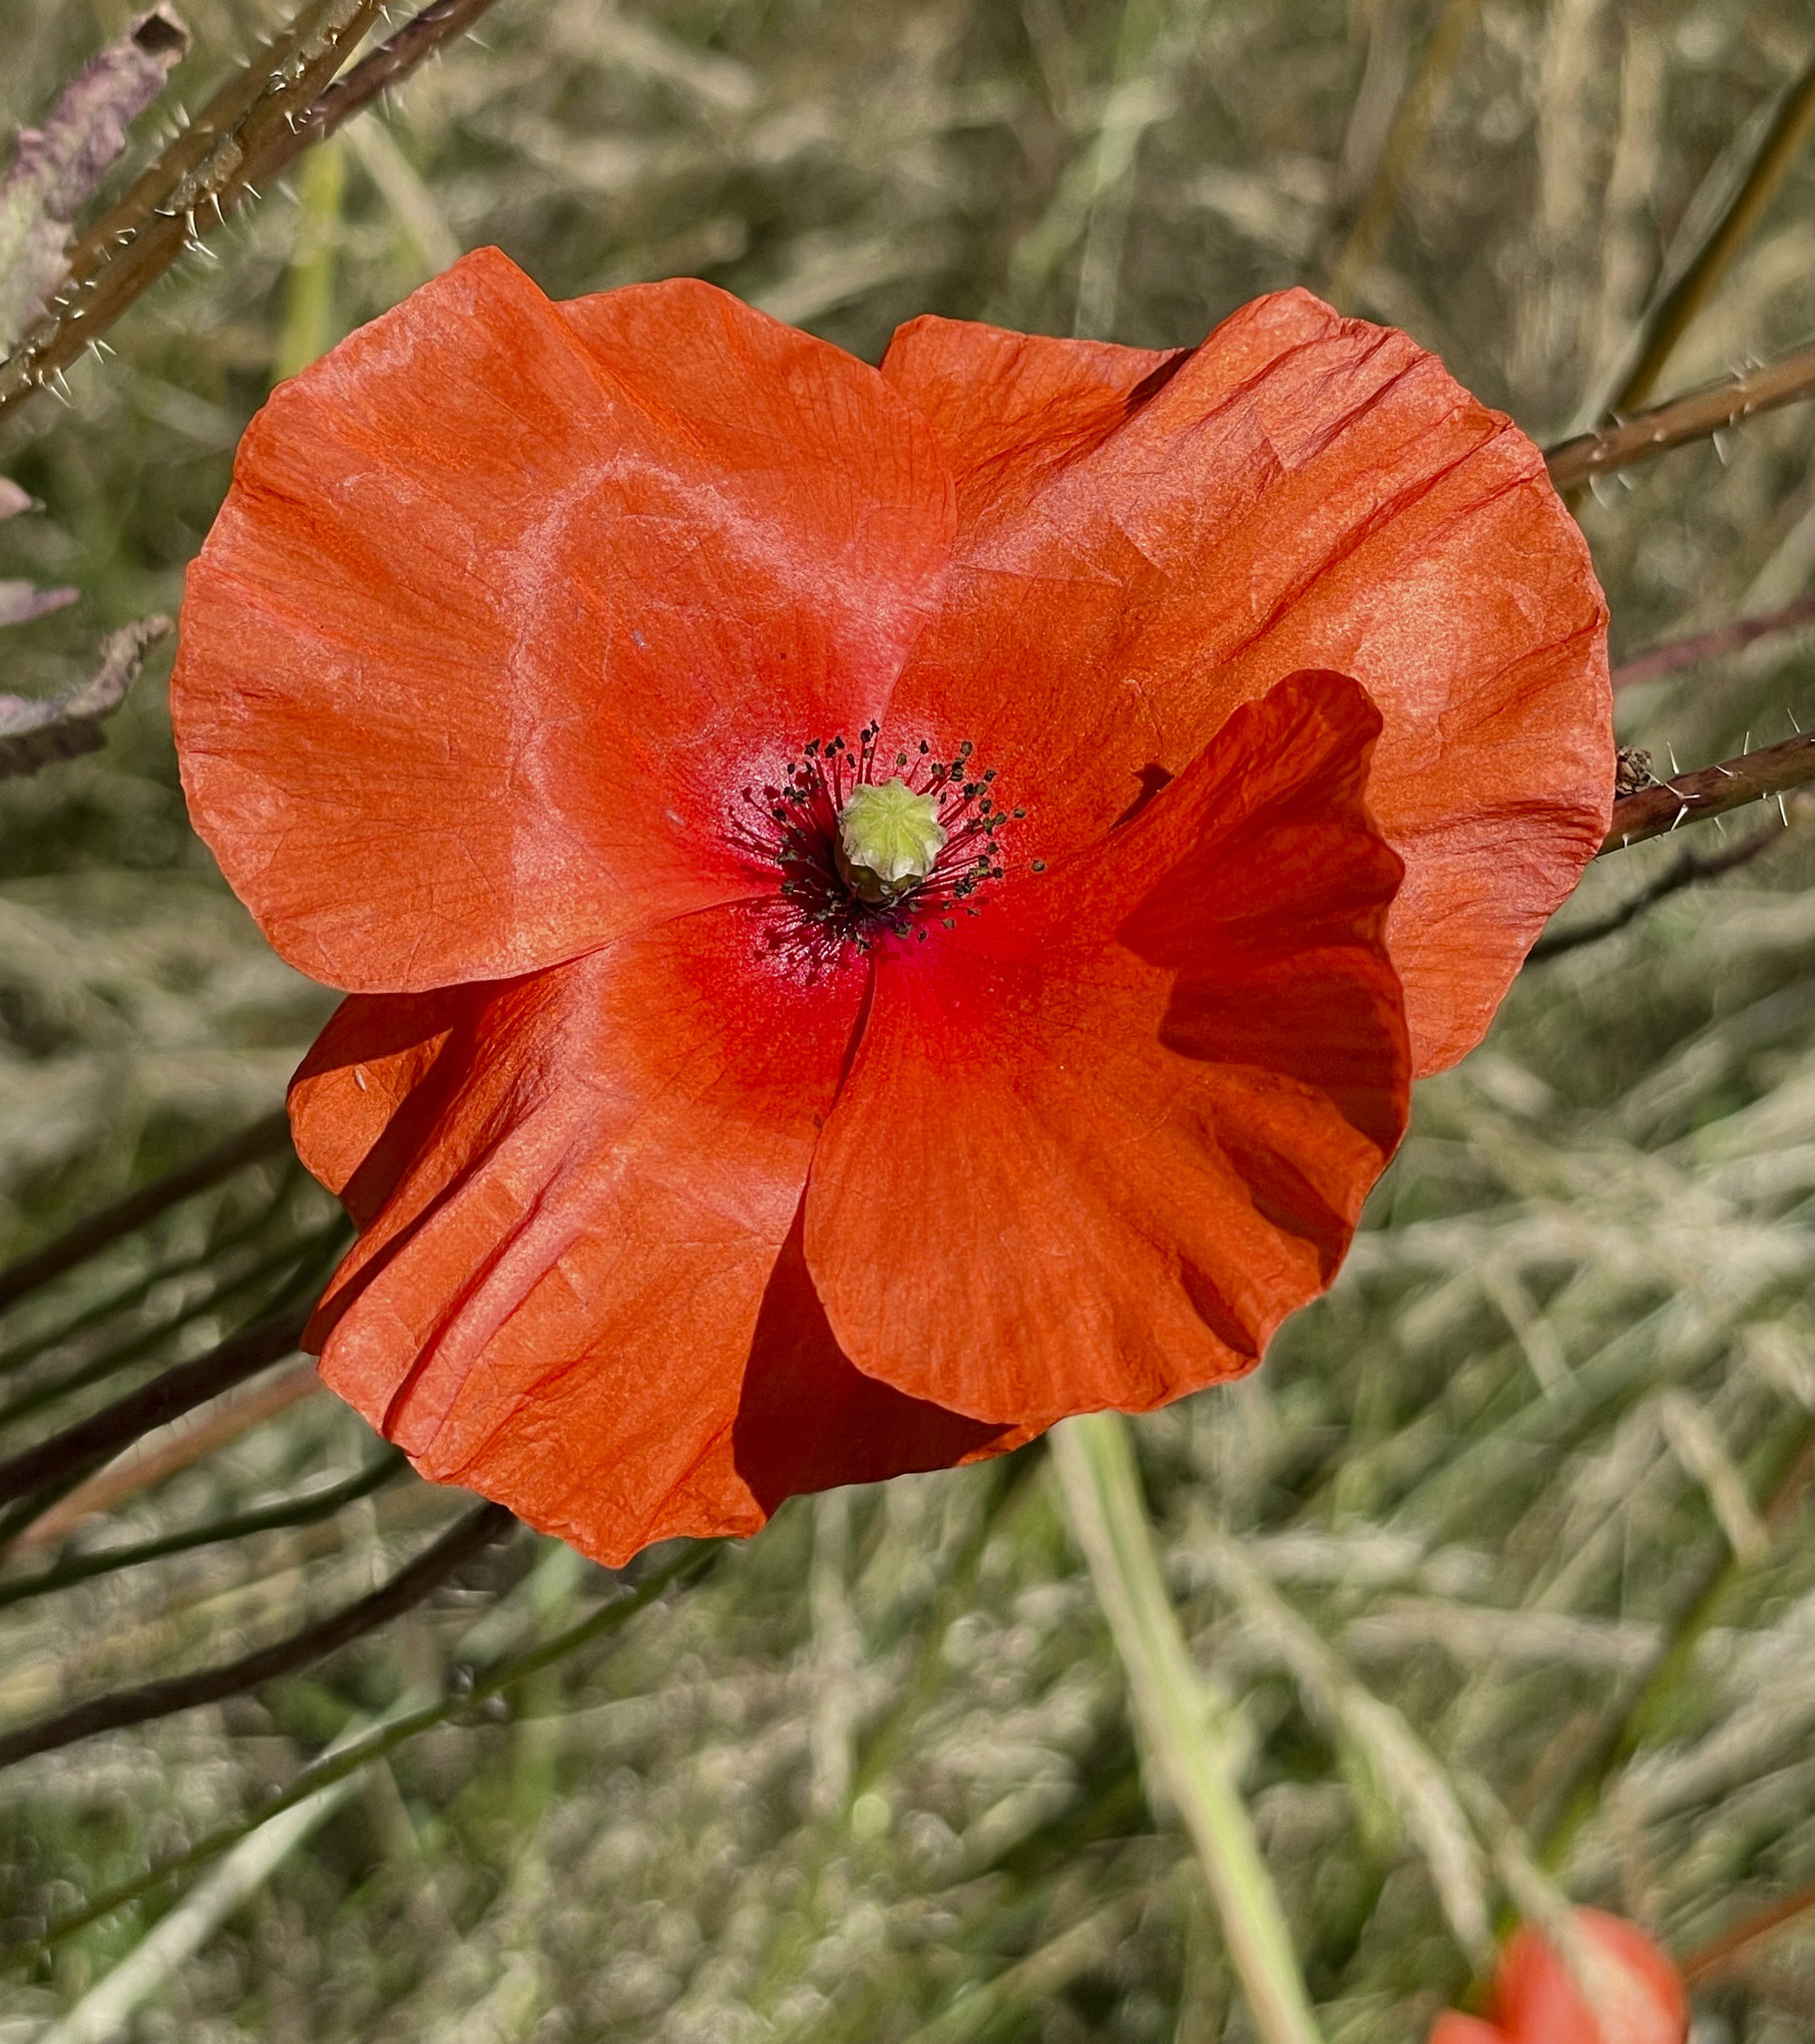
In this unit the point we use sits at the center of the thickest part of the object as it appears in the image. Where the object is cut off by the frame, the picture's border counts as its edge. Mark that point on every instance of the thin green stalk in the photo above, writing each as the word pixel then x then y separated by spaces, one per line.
pixel 294 1257
pixel 126 1216
pixel 308 304
pixel 684 1569
pixel 291 1511
pixel 1188 1725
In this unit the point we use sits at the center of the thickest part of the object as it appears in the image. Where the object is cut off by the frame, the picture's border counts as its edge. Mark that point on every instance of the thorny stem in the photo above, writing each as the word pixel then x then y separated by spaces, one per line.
pixel 685 1567
pixel 1186 1725
pixel 313 1642
pixel 1711 791
pixel 1681 419
pixel 391 62
pixel 265 117
pixel 211 167
pixel 1669 320
pixel 263 1138
pixel 317 30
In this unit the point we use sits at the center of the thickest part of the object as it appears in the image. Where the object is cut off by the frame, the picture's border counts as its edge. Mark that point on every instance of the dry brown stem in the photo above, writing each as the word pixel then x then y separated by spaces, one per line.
pixel 142 1467
pixel 1404 139
pixel 313 1642
pixel 1669 320
pixel 1695 417
pixel 263 1138
pixel 177 1391
pixel 265 117
pixel 1711 791
pixel 1700 646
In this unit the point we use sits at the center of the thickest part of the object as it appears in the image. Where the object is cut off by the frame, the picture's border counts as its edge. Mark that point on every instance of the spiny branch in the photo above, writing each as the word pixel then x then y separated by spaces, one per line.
pixel 265 117
pixel 1683 419
pixel 1711 791
pixel 1669 320
pixel 1689 868
pixel 210 166
pixel 420 37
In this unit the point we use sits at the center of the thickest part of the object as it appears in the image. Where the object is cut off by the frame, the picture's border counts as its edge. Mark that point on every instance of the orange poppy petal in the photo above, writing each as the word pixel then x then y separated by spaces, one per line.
pixel 1095 1147
pixel 1452 2028
pixel 509 600
pixel 1538 2001
pixel 808 1419
pixel 573 1218
pixel 1302 491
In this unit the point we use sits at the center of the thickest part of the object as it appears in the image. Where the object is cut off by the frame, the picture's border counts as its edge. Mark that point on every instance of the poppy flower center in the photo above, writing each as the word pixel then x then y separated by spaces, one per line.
pixel 867 842
pixel 888 838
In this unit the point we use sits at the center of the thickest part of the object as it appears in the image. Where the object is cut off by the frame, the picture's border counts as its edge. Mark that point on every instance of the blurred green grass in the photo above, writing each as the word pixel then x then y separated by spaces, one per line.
pixel 874 1780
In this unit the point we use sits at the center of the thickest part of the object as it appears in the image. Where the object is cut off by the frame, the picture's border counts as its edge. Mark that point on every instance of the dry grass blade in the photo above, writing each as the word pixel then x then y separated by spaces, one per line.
pixel 1404 138
pixel 155 1460
pixel 1406 1772
pixel 32 733
pixel 1782 144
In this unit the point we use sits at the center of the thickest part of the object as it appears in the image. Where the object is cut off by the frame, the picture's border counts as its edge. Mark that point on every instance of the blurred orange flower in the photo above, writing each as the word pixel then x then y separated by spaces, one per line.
pixel 865 929
pixel 1536 2001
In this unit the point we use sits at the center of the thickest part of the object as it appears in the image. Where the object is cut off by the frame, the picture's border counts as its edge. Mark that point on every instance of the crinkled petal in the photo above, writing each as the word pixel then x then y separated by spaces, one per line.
pixel 1142 547
pixel 574 1187
pixel 1099 1140
pixel 508 601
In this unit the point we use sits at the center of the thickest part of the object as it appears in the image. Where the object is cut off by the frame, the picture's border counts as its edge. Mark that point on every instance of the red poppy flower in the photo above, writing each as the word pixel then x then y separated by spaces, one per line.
pixel 1536 2001
pixel 718 1132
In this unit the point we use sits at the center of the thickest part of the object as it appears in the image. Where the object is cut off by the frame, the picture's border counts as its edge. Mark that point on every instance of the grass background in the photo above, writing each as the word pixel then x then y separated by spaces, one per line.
pixel 873 1778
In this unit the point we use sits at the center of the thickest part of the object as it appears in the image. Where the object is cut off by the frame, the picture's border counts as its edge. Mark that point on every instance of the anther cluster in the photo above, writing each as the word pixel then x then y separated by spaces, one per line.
pixel 792 826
